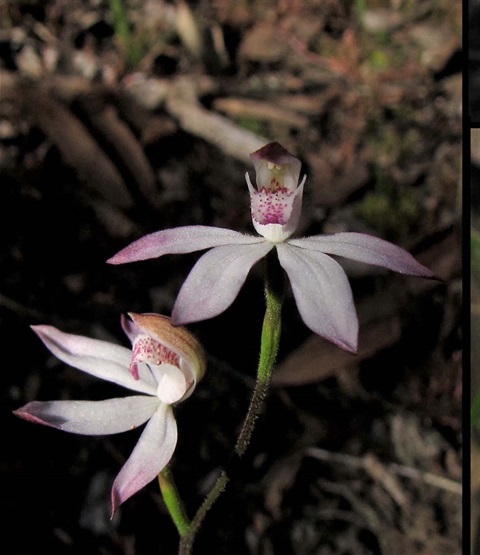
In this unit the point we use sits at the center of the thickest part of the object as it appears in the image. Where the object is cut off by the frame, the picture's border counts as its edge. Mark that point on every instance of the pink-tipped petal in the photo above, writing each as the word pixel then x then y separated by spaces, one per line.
pixel 151 454
pixel 91 417
pixel 322 293
pixel 368 249
pixel 180 240
pixel 99 358
pixel 215 281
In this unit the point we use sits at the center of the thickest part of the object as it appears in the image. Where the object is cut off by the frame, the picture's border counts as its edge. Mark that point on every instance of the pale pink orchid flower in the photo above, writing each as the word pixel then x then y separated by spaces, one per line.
pixel 319 284
pixel 163 366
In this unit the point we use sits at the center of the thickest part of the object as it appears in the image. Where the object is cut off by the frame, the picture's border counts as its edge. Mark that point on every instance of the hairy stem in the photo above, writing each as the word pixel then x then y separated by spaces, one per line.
pixel 186 541
pixel 270 341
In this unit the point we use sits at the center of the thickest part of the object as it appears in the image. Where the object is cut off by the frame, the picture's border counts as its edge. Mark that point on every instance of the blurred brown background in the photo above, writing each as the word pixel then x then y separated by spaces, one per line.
pixel 124 117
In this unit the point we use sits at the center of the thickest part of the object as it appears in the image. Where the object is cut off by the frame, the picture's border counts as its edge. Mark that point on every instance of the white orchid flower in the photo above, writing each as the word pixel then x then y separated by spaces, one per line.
pixel 319 284
pixel 163 367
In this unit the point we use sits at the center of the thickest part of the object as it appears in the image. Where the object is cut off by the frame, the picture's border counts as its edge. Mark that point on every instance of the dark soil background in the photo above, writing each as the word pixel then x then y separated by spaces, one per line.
pixel 118 119
pixel 474 61
pixel 475 324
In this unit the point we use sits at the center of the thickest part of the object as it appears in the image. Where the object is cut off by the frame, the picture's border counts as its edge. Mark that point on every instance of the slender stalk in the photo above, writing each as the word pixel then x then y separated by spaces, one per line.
pixel 186 541
pixel 173 501
pixel 270 341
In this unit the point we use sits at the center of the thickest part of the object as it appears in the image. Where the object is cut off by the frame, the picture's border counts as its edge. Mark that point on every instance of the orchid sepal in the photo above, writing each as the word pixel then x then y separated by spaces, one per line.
pixel 367 249
pixel 180 240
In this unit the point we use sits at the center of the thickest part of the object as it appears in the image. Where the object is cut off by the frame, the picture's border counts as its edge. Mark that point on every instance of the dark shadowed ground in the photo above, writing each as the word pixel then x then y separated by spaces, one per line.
pixel 110 131
pixel 475 323
pixel 474 61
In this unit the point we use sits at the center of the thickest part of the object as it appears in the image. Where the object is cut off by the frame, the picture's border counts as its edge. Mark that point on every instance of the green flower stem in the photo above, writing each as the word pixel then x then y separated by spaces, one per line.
pixel 270 341
pixel 186 541
pixel 173 502
pixel 272 325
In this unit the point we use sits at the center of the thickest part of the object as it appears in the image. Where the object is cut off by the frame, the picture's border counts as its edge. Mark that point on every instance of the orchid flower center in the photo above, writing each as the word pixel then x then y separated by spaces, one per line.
pixel 145 349
pixel 273 206
pixel 276 178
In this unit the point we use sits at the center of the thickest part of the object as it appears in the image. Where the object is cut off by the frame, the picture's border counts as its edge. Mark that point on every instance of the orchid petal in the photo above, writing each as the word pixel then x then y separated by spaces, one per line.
pixel 215 281
pixel 151 454
pixel 180 240
pixel 322 293
pixel 368 249
pixel 111 416
pixel 99 358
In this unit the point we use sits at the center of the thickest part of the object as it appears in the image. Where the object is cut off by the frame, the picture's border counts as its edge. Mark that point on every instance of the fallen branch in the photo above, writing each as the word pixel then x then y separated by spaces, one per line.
pixel 182 103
